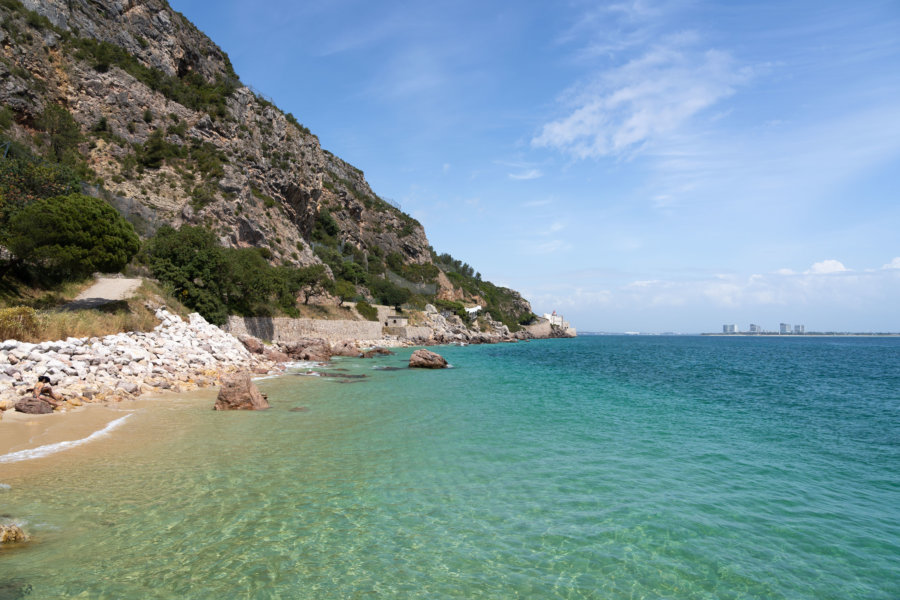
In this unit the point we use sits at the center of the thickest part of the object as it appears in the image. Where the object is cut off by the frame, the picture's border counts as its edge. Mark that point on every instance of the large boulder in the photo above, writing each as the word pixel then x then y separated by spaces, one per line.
pixel 239 393
pixel 34 406
pixel 252 344
pixel 345 348
pixel 10 533
pixel 426 359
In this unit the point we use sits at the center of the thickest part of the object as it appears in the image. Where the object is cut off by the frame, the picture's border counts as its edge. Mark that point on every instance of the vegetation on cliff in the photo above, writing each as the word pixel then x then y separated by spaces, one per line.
pixel 243 212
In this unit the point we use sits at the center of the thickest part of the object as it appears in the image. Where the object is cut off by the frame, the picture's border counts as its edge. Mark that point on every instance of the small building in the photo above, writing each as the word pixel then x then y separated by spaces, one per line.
pixel 473 312
pixel 556 320
pixel 396 321
pixel 755 328
pixel 799 329
pixel 729 328
pixel 784 328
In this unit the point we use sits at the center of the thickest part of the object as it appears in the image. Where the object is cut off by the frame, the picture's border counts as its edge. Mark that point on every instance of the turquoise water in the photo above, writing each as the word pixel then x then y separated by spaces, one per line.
pixel 605 467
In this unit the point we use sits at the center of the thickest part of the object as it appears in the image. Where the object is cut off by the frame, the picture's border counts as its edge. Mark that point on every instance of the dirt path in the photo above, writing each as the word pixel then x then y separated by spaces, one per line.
pixel 106 290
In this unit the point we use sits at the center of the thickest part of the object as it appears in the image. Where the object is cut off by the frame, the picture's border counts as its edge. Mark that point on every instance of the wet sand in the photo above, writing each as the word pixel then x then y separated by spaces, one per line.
pixel 23 437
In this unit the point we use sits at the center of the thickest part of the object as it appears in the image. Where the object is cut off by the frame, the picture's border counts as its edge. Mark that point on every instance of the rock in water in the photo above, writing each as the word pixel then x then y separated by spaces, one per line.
pixel 426 359
pixel 34 406
pixel 12 533
pixel 239 393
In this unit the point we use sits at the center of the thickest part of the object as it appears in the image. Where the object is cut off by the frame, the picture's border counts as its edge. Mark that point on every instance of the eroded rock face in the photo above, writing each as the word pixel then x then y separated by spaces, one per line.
pixel 34 406
pixel 426 359
pixel 239 393
pixel 11 534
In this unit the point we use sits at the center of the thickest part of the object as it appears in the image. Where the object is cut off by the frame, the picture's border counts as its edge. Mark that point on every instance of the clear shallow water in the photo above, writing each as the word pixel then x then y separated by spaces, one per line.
pixel 613 467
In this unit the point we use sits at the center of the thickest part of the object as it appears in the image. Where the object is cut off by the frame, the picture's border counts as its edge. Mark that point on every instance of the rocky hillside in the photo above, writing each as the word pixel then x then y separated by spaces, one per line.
pixel 151 114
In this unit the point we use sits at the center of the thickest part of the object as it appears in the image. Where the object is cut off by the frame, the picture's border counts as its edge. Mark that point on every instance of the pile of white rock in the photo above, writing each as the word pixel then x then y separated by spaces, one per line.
pixel 176 356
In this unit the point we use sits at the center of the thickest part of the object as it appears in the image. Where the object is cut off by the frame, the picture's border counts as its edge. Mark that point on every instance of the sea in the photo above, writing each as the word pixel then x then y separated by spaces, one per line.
pixel 612 467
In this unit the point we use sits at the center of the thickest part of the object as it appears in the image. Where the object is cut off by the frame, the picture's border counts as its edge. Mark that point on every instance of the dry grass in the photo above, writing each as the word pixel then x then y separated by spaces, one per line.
pixel 321 311
pixel 113 318
pixel 136 314
pixel 13 293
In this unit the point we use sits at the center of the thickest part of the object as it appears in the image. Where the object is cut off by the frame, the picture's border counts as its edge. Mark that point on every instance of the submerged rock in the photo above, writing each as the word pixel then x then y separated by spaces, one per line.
pixel 376 352
pixel 239 393
pixel 426 359
pixel 12 533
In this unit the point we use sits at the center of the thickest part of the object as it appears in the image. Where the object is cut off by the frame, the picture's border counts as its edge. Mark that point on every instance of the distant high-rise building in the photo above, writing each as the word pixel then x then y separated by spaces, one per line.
pixel 729 328
pixel 755 328
pixel 800 329
pixel 784 328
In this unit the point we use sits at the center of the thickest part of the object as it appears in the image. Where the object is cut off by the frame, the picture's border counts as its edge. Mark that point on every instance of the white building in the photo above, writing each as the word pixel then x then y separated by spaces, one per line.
pixel 784 328
pixel 800 329
pixel 755 328
pixel 556 320
pixel 729 328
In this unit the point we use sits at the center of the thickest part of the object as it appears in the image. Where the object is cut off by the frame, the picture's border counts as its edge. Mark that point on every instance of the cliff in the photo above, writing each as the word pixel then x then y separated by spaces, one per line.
pixel 166 132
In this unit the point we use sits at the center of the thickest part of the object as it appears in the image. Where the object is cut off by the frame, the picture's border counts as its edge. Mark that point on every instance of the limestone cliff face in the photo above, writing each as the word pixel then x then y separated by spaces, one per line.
pixel 171 136
pixel 272 177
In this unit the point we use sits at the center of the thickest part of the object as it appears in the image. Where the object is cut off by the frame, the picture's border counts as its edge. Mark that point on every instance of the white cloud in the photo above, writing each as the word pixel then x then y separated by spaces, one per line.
pixel 894 264
pixel 644 100
pixel 525 175
pixel 827 266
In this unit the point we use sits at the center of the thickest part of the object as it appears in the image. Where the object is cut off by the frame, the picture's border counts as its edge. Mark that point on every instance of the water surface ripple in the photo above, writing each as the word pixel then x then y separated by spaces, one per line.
pixel 608 467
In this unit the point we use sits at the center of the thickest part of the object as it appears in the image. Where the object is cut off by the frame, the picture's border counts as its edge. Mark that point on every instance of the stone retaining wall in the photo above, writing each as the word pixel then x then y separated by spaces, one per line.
pixel 285 329
pixel 410 332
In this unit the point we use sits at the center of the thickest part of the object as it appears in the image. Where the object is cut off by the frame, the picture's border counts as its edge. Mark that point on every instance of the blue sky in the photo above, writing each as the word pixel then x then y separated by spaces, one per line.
pixel 637 166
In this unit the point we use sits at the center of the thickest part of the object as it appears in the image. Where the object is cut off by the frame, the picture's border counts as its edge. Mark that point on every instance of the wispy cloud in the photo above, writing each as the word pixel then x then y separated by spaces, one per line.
pixel 526 175
pixel 630 107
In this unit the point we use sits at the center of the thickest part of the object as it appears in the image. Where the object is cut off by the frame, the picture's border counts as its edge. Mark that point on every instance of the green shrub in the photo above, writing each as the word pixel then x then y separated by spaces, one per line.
pixel 368 311
pixel 68 237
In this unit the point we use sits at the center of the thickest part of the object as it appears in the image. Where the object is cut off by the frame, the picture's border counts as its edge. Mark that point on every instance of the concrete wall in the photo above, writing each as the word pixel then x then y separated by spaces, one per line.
pixel 541 329
pixel 409 332
pixel 284 329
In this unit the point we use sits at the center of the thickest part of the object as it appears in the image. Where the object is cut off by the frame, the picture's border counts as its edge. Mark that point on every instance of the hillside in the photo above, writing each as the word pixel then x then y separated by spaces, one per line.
pixel 150 115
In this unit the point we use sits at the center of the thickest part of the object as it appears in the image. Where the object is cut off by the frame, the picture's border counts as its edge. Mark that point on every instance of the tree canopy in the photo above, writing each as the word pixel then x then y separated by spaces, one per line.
pixel 68 237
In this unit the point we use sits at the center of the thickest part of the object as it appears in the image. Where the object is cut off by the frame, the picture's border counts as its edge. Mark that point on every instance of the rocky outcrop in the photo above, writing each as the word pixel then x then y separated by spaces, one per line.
pixel 269 179
pixel 426 359
pixel 10 533
pixel 175 356
pixel 239 393
pixel 308 349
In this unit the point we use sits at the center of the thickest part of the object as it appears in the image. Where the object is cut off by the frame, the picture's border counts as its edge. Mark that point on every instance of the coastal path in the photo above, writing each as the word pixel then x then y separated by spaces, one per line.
pixel 104 291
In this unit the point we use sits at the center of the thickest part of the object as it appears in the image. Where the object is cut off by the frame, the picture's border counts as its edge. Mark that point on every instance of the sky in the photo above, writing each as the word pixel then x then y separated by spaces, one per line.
pixel 652 165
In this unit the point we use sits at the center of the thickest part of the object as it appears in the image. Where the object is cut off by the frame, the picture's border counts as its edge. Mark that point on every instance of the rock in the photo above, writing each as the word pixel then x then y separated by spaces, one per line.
pixel 345 348
pixel 128 386
pixel 252 344
pixel 34 406
pixel 312 350
pixel 426 359
pixel 10 533
pixel 276 355
pixel 239 393
pixel 372 353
